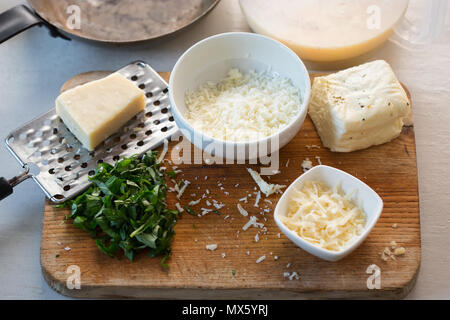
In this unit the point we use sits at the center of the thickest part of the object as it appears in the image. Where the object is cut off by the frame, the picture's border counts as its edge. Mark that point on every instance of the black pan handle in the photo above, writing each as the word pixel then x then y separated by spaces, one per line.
pixel 6 186
pixel 21 18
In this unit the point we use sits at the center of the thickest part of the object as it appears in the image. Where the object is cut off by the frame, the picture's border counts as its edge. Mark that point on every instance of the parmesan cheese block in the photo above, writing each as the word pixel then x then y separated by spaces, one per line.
pixel 97 109
pixel 358 107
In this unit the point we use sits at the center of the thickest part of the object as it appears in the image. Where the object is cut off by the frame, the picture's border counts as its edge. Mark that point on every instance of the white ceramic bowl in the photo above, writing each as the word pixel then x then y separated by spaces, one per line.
pixel 371 204
pixel 211 59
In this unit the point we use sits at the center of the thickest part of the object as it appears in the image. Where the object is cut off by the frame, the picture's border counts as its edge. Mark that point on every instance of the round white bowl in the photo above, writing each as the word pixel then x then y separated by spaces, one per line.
pixel 210 60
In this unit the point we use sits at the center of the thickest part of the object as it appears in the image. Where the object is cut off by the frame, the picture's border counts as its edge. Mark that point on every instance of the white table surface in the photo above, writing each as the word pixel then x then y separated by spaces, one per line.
pixel 33 66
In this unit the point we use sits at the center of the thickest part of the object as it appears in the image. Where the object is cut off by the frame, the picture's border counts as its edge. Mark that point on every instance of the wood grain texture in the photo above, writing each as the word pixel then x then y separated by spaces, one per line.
pixel 390 169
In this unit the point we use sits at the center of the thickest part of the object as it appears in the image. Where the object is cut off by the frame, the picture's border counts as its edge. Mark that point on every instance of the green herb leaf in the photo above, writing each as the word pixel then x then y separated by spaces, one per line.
pixel 190 211
pixel 172 174
pixel 125 208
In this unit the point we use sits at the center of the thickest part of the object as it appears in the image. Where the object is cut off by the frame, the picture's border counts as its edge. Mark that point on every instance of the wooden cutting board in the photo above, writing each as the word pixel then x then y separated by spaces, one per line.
pixel 196 273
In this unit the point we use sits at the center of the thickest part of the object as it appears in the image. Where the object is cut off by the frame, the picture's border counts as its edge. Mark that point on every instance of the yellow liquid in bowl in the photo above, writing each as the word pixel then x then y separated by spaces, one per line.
pixel 325 30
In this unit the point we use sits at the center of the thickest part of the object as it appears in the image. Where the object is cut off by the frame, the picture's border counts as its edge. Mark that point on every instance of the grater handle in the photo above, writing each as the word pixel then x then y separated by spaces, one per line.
pixel 6 186
pixel 21 18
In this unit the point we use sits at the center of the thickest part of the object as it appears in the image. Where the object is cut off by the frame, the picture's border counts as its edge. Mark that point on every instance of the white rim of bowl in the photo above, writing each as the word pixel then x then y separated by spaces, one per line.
pixel 304 104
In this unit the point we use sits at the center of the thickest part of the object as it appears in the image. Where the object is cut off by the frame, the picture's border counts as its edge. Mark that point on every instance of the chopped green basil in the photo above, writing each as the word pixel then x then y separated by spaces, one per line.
pixel 172 174
pixel 125 208
pixel 190 211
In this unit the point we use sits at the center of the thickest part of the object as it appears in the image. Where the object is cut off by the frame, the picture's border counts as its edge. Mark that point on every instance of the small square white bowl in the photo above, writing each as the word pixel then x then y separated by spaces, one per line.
pixel 371 202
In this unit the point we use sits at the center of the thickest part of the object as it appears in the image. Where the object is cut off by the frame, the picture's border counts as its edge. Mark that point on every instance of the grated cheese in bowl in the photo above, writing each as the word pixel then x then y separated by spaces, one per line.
pixel 243 106
pixel 324 216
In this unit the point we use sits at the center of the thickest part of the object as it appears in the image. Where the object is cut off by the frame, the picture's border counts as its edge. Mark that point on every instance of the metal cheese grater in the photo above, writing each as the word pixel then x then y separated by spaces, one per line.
pixel 65 165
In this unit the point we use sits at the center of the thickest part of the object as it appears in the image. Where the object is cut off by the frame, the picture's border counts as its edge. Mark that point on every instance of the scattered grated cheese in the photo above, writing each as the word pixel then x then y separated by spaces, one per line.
pixel 252 223
pixel 291 276
pixel 194 202
pixel 242 210
pixel 399 251
pixel 258 197
pixel 386 254
pixel 260 259
pixel 177 189
pixel 183 188
pixel 218 205
pixel 306 165
pixel 266 188
pixel 294 275
pixel 179 208
pixel 318 160
pixel 211 247
pixel 205 211
pixel 396 251
pixel 244 199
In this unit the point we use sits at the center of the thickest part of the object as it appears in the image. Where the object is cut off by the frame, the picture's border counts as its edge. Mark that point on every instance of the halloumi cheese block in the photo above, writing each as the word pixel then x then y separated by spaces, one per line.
pixel 97 109
pixel 358 107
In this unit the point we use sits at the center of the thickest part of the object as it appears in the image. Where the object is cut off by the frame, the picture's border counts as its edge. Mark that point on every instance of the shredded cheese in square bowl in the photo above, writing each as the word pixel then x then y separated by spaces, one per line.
pixel 324 216
pixel 243 106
